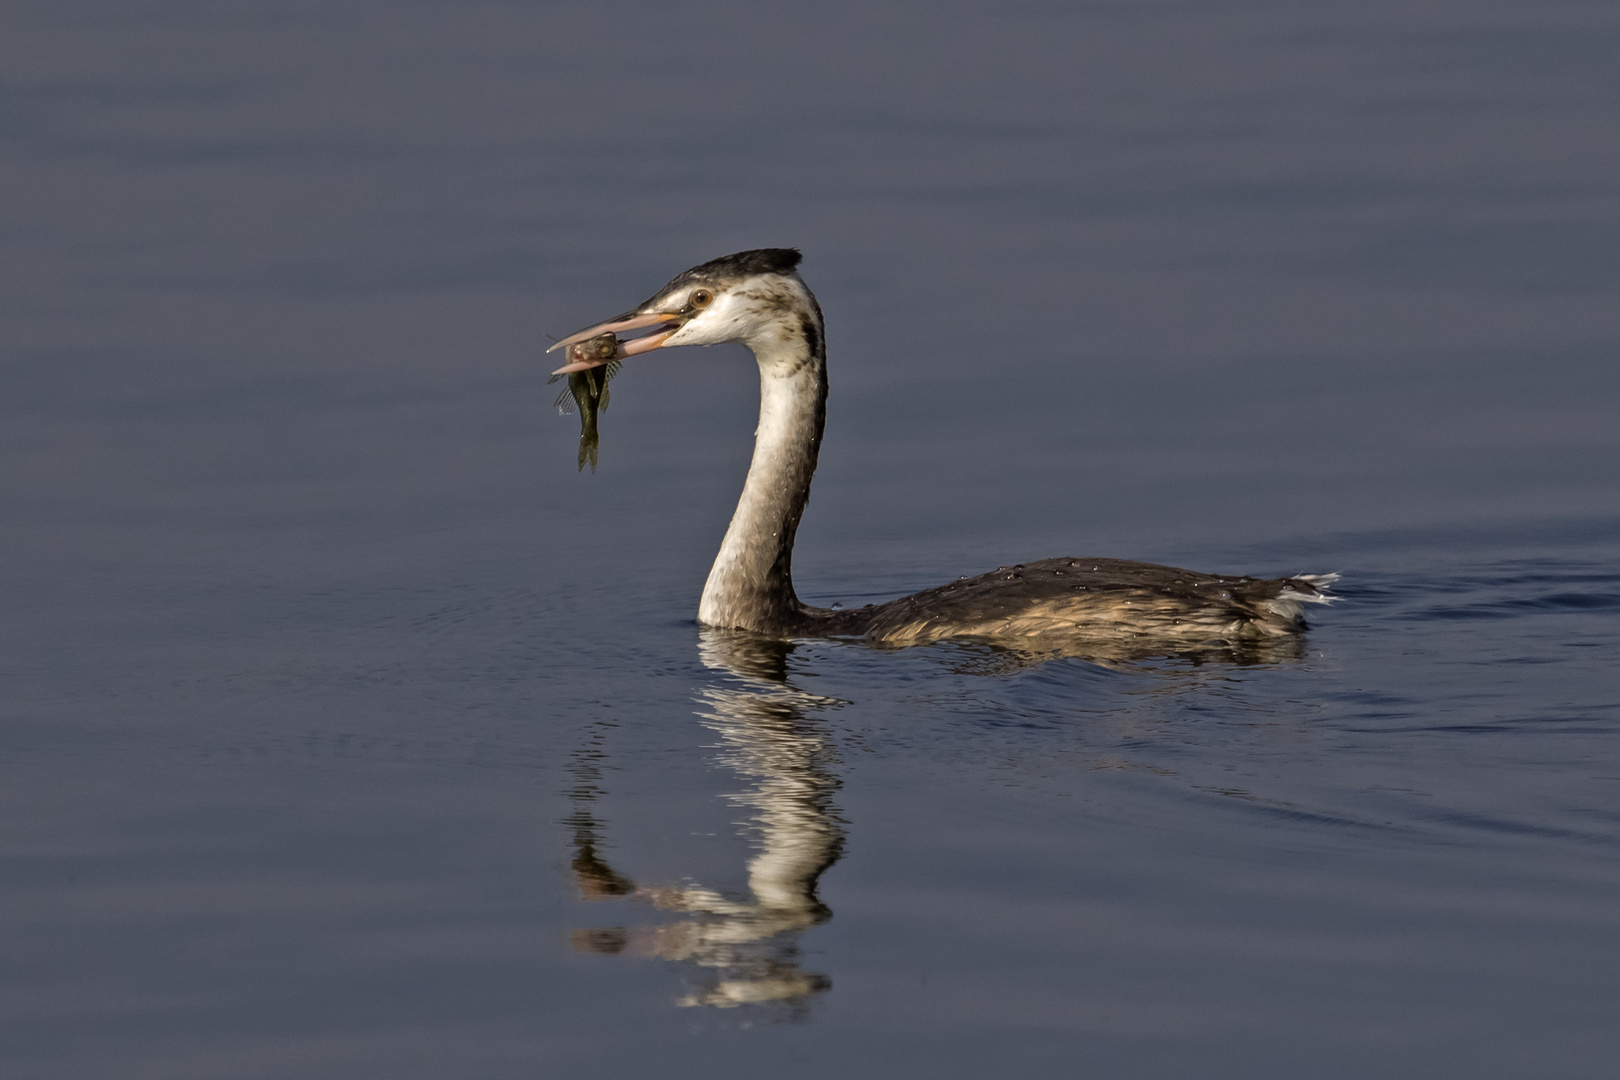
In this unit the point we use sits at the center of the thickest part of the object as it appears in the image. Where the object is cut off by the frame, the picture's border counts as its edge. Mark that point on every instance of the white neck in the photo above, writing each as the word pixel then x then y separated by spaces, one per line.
pixel 750 586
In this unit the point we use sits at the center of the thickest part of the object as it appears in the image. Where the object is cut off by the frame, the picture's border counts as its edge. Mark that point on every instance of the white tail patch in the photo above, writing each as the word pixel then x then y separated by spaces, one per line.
pixel 1290 603
pixel 1320 583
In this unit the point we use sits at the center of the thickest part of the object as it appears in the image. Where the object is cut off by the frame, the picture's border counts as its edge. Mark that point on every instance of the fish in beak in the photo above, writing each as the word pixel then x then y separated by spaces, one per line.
pixel 667 323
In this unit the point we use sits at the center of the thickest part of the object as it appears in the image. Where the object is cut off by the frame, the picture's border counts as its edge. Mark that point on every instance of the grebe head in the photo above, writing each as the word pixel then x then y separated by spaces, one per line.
pixel 752 297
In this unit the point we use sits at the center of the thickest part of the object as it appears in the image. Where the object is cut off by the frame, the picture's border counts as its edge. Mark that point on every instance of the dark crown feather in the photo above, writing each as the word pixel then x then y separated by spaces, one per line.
pixel 758 261
pixel 731 267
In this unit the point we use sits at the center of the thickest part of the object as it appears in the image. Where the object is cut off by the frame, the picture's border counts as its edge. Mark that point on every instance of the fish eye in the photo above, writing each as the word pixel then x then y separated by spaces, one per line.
pixel 700 298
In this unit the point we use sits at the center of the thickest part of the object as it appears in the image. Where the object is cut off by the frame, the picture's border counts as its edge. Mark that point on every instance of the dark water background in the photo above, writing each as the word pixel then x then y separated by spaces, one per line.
pixel 322 664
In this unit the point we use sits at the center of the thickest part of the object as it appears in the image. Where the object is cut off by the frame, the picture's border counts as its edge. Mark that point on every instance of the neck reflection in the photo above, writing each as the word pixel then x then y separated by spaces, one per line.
pixel 745 947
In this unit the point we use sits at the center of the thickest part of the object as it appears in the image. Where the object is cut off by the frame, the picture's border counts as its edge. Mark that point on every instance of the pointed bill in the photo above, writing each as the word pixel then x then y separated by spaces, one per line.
pixel 633 347
pixel 631 321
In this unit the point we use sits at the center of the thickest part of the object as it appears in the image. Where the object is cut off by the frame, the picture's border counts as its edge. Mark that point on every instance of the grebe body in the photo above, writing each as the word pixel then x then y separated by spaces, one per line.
pixel 758 299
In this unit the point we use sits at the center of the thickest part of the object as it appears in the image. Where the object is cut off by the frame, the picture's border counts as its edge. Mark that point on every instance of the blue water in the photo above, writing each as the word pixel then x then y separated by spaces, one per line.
pixel 348 730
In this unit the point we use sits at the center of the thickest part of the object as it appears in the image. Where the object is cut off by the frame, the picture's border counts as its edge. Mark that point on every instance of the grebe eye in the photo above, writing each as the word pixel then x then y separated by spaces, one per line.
pixel 700 298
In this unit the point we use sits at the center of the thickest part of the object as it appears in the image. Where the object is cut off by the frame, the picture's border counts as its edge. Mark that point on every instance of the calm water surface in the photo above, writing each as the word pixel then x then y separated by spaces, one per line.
pixel 349 731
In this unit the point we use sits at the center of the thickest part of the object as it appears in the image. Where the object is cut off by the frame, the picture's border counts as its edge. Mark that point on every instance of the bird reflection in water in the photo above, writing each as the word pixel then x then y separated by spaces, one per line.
pixel 745 948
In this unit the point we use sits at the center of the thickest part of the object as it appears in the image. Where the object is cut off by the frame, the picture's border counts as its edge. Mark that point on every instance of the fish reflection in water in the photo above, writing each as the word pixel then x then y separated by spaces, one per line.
pixel 745 947
pixel 587 391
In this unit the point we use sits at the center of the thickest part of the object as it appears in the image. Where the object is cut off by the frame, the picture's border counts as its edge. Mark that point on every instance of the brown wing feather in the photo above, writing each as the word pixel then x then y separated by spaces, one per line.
pixel 1079 597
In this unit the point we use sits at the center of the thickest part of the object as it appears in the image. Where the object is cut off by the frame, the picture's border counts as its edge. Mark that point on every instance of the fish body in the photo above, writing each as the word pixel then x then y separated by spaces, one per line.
pixel 587 390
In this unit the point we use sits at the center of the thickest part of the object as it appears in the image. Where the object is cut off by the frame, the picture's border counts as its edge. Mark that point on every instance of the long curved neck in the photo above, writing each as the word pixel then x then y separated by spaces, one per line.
pixel 750 586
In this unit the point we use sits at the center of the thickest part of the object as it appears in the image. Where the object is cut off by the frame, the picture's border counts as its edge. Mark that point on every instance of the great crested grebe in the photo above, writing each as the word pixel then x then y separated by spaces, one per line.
pixel 757 298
